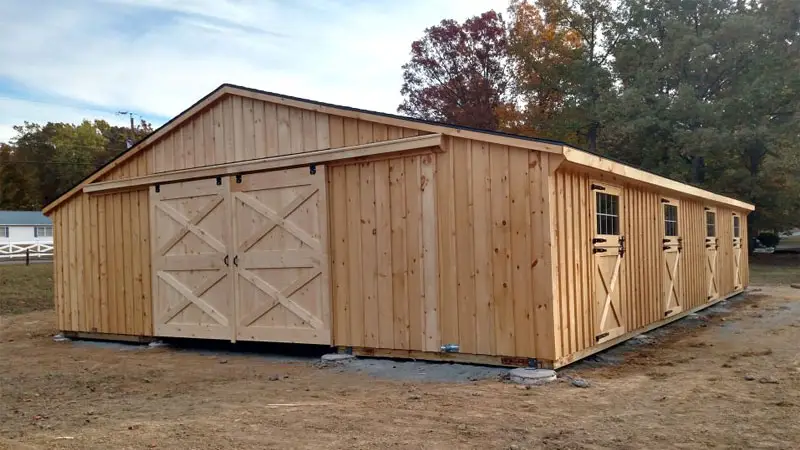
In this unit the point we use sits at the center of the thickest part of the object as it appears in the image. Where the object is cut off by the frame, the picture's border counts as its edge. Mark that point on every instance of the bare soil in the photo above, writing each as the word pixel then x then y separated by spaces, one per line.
pixel 730 379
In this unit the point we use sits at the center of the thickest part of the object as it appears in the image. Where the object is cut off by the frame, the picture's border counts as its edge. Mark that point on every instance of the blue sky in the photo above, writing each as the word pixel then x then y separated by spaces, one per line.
pixel 68 60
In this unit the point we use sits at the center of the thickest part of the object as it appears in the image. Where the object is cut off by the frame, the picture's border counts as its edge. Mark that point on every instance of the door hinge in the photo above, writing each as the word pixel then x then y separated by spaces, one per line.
pixel 599 250
pixel 219 181
pixel 597 187
pixel 598 240
pixel 666 313
pixel 158 188
pixel 663 200
pixel 312 169
pixel 238 178
pixel 601 336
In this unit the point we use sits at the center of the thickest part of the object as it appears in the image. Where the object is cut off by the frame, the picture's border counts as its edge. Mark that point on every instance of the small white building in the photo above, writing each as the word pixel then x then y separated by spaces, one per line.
pixel 22 231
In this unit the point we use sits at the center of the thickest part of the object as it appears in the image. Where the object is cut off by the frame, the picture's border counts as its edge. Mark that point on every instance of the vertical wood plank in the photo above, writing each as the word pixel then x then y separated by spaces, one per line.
pixel 144 243
pixel 399 220
pixel 383 227
pixel 208 138
pixel 248 129
pixel 102 260
pixel 519 192
pixel 271 128
pixel 94 273
pixel 284 130
pixel 127 263
pixel 228 129
pixel 119 267
pixel 546 335
pixel 448 273
pixel 501 260
pixel 413 253
pixel 482 248
pixel 296 130
pixel 430 265
pixel 369 260
pixel 354 240
pixel 199 142
pixel 218 118
pixel 340 266
pixel 188 144
pixel 238 128
pixel 260 129
pixel 323 131
pixel 309 130
pixel 463 305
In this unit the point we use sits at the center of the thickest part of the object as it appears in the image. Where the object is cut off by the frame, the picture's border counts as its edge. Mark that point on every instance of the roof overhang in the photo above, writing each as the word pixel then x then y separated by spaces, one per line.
pixel 592 161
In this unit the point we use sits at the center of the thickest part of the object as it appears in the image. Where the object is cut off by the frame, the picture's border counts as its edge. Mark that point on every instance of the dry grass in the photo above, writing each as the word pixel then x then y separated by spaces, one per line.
pixel 25 288
pixel 775 269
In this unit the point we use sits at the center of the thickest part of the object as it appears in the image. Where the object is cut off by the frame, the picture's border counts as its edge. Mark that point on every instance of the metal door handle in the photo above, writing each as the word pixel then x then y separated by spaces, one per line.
pixel 236 260
pixel 226 259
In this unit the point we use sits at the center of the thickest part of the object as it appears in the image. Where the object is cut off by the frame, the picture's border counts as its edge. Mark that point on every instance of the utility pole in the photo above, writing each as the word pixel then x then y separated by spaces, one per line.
pixel 128 113
pixel 129 141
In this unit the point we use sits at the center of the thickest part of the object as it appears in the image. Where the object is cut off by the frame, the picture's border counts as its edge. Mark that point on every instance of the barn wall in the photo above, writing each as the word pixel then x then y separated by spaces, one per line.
pixel 102 264
pixel 641 273
pixel 102 255
pixel 489 216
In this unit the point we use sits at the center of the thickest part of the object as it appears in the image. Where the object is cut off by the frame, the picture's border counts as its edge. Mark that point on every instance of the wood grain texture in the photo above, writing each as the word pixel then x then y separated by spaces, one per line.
pixel 641 274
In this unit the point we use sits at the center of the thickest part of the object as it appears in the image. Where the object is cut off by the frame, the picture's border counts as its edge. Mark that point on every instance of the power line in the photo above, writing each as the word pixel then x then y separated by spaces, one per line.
pixel 48 162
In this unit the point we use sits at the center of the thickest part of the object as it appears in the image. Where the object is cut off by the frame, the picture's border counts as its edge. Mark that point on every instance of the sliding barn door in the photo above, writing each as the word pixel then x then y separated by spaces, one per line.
pixel 280 256
pixel 672 248
pixel 608 248
pixel 192 279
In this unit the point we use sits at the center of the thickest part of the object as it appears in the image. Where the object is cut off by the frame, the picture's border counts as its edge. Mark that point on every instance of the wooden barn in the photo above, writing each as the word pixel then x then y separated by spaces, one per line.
pixel 255 216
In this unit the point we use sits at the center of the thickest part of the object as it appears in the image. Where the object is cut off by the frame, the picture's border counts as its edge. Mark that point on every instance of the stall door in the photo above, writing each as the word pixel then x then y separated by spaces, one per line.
pixel 737 252
pixel 608 248
pixel 711 254
pixel 280 262
pixel 192 279
pixel 672 248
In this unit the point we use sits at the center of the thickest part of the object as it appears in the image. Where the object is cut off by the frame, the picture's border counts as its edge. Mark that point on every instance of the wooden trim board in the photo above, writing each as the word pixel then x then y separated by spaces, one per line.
pixel 577 356
pixel 606 165
pixel 463 358
pixel 80 335
pixel 432 141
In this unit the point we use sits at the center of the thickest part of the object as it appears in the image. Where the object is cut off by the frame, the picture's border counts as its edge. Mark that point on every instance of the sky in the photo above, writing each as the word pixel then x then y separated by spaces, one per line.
pixel 65 61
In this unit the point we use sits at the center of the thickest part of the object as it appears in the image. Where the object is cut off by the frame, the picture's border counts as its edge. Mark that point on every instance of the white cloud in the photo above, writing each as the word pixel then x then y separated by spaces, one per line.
pixel 156 57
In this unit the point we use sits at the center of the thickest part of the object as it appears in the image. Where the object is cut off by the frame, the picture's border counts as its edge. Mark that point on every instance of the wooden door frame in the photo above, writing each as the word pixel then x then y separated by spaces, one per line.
pixel 610 241
pixel 709 242
pixel 669 243
pixel 737 248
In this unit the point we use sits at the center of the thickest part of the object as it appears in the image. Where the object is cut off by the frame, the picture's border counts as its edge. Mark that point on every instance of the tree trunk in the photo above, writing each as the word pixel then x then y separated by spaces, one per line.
pixel 698 169
pixel 592 137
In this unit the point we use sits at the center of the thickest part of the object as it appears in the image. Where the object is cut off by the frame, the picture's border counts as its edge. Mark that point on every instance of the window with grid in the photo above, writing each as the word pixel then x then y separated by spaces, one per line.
pixel 607 214
pixel 711 224
pixel 43 231
pixel 670 220
pixel 736 226
pixel 4 231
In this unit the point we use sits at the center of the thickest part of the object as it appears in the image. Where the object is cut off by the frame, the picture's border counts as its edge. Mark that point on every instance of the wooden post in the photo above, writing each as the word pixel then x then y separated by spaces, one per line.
pixel 27 257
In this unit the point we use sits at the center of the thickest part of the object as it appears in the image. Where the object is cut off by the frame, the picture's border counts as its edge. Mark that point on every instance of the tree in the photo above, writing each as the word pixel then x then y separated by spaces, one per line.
pixel 458 74
pixel 43 161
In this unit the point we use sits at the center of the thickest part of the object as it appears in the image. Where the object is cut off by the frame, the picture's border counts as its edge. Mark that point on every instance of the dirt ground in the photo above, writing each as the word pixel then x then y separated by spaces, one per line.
pixel 726 379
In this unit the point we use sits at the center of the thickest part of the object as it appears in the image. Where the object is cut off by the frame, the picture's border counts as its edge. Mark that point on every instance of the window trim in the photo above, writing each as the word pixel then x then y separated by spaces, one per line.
pixel 666 202
pixel 600 187
pixel 737 226
pixel 5 231
pixel 712 211
pixel 43 235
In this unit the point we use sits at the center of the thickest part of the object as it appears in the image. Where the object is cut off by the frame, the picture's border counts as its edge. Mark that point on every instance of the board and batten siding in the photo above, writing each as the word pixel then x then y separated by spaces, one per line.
pixel 443 248
pixel 642 300
pixel 102 251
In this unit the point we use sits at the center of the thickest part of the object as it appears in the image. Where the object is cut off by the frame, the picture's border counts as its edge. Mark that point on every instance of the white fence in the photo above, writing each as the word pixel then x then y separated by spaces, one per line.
pixel 16 250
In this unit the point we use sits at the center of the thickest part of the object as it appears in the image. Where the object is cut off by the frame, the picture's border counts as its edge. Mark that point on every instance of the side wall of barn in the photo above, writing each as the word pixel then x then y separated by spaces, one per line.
pixel 641 275
pixel 443 248
pixel 102 246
